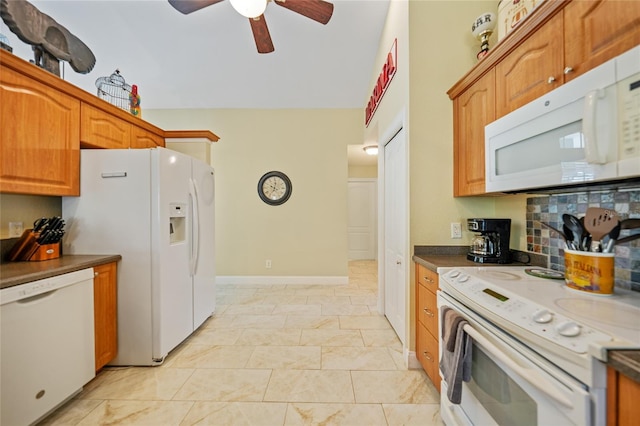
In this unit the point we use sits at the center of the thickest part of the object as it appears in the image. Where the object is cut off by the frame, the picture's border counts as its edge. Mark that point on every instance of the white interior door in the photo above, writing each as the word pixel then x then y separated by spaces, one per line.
pixel 362 219
pixel 395 232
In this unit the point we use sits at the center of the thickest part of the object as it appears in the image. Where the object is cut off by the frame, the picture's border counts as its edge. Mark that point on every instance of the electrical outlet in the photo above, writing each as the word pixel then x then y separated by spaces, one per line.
pixel 268 264
pixel 456 230
pixel 15 229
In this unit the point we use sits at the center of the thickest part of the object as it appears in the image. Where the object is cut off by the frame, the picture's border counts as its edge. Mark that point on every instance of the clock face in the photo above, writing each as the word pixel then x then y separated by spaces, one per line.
pixel 274 188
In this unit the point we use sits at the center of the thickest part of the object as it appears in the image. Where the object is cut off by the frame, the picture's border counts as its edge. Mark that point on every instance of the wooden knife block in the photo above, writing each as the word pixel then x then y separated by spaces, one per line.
pixel 28 249
pixel 46 252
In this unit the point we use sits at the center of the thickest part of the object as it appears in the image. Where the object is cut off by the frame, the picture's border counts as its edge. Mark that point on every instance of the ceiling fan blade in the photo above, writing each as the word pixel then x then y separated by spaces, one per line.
pixel 188 6
pixel 261 34
pixel 318 10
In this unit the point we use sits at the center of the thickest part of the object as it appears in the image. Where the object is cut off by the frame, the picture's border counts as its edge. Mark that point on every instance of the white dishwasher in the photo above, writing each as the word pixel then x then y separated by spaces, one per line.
pixel 47 345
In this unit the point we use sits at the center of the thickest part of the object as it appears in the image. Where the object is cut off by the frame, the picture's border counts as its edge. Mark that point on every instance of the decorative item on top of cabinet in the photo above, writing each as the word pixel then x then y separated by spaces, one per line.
pixel 427 322
pixel 472 110
pixel 105 299
pixel 39 128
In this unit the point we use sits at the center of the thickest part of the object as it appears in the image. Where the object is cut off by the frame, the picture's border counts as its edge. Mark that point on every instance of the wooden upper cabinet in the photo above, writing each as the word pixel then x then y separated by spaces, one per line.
pixel 100 129
pixel 597 31
pixel 141 138
pixel 472 111
pixel 39 138
pixel 534 68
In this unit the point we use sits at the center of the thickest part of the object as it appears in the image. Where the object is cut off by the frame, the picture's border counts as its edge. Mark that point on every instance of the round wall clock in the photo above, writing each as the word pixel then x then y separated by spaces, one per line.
pixel 274 188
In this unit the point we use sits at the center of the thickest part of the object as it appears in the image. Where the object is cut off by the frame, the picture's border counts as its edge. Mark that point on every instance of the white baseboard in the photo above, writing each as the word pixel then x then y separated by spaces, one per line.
pixel 302 280
pixel 414 364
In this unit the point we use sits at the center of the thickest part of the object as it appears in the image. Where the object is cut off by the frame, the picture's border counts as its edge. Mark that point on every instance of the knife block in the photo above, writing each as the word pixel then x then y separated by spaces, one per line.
pixel 28 249
pixel 46 252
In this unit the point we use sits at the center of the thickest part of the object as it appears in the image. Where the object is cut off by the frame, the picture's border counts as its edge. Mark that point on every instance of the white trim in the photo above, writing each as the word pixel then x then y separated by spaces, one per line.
pixel 413 362
pixel 263 279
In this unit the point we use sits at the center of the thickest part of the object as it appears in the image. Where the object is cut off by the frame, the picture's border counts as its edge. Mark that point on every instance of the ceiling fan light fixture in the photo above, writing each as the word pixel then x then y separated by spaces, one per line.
pixel 371 149
pixel 249 8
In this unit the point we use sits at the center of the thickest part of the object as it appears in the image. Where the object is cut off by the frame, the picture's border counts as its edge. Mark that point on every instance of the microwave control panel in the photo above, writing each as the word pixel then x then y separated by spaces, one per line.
pixel 629 117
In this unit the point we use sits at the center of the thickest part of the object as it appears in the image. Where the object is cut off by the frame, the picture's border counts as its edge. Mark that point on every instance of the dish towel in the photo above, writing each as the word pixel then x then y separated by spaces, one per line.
pixel 455 363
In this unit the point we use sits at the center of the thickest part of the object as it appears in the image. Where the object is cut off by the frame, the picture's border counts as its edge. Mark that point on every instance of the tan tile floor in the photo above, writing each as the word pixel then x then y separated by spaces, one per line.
pixel 272 355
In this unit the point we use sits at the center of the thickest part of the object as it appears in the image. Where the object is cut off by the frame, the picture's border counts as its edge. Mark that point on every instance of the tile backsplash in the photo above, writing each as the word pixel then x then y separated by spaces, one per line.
pixel 549 209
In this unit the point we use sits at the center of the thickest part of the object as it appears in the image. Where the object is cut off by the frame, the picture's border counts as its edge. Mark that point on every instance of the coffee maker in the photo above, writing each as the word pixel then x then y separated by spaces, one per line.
pixel 491 243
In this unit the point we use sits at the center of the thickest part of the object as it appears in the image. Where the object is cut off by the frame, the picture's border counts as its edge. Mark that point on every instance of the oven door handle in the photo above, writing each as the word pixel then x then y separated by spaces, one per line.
pixel 535 379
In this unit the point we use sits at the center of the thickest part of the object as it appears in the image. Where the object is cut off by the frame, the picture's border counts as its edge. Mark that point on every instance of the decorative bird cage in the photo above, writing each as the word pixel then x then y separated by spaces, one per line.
pixel 114 90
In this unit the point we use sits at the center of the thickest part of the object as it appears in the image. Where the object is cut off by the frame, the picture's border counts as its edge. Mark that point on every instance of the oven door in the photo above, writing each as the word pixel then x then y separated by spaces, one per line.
pixel 510 384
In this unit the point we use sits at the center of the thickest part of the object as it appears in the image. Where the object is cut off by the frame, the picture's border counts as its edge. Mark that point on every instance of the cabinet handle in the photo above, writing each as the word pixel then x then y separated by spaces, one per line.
pixel 428 356
pixel 429 280
pixel 95 274
pixel 428 312
pixel 567 70
pixel 551 79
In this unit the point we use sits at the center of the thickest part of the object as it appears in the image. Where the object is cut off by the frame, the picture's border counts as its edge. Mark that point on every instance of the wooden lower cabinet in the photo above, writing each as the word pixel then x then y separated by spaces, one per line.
pixel 105 299
pixel 623 394
pixel 427 323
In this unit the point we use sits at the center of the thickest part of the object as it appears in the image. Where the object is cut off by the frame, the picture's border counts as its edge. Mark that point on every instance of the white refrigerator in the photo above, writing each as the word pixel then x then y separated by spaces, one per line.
pixel 155 207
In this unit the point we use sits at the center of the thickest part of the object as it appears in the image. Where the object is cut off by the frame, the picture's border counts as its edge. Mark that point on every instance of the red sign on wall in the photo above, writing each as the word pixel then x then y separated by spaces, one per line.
pixel 384 79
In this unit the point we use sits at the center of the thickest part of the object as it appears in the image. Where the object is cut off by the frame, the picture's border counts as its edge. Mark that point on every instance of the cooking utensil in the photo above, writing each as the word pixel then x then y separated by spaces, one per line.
pixel 630 224
pixel 627 239
pixel 576 228
pixel 599 222
pixel 610 239
pixel 569 240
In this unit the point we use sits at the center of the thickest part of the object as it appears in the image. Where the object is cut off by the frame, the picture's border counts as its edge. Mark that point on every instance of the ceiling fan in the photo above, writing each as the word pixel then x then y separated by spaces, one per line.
pixel 318 10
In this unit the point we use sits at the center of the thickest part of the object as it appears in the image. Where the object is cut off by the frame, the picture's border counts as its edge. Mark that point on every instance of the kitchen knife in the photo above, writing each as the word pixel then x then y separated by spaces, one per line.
pixel 38 224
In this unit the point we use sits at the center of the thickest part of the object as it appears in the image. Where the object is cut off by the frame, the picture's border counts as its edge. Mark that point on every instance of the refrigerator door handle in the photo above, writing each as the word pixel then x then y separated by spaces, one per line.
pixel 195 227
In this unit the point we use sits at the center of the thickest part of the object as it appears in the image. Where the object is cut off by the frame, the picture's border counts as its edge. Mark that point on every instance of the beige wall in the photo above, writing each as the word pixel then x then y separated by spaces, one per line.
pixel 435 49
pixel 26 209
pixel 363 171
pixel 306 236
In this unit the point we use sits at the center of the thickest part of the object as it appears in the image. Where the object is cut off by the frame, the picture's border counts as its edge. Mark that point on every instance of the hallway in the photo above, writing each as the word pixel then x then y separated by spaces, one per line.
pixel 272 355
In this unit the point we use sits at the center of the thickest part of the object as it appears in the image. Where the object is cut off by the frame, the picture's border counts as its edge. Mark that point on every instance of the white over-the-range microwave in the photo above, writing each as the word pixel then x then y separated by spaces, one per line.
pixel 584 132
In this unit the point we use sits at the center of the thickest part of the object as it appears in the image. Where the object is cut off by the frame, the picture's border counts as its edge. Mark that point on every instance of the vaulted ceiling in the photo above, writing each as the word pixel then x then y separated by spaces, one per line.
pixel 208 58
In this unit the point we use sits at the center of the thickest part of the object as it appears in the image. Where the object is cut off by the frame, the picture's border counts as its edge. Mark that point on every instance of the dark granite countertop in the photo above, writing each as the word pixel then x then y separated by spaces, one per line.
pixel 626 362
pixel 15 273
pixel 434 257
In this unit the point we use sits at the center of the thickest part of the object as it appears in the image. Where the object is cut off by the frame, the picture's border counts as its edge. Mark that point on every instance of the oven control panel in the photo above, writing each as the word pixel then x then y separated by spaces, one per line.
pixel 509 310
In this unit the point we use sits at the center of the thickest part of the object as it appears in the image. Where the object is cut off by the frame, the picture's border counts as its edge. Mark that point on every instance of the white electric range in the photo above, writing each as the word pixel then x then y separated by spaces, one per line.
pixel 549 339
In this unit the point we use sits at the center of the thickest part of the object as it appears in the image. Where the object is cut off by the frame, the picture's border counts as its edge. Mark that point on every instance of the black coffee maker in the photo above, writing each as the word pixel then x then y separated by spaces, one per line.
pixel 491 243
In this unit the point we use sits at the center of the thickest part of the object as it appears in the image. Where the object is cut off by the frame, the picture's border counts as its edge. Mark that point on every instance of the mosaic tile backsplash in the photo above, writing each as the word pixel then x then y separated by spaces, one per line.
pixel 549 209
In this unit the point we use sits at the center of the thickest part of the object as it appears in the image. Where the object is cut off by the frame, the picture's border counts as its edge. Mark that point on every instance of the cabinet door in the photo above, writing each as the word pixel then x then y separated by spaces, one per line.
pixel 39 131
pixel 532 69
pixel 141 138
pixel 105 313
pixel 427 354
pixel 427 312
pixel 472 110
pixel 596 31
pixel 103 130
